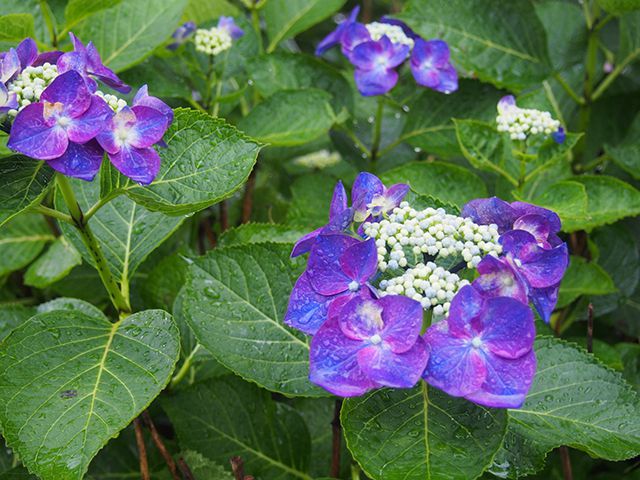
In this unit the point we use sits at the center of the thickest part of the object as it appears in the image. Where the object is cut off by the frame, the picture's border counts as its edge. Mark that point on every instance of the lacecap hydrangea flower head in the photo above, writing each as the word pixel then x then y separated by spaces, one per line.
pixel 393 293
pixel 60 116
pixel 522 123
pixel 378 49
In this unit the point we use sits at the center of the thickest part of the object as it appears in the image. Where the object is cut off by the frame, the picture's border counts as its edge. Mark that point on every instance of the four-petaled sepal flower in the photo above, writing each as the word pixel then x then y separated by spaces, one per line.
pixel 431 66
pixel 371 198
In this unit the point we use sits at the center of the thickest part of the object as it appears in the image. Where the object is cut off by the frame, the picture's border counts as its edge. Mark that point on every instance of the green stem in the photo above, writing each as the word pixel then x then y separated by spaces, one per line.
pixel 216 105
pixel 255 21
pixel 567 88
pixel 49 20
pixel 377 132
pixel 356 141
pixel 101 203
pixel 80 222
pixel 614 74
pixel 50 212
pixel 184 369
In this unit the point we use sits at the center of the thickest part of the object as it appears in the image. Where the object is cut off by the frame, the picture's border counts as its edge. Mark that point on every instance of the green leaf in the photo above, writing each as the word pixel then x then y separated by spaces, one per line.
pixel 28 7
pixel 77 10
pixel 126 232
pixel 507 48
pixel 290 117
pixel 21 241
pixel 13 315
pixel 421 433
pixel 165 77
pixel 201 11
pixel 288 18
pixel 250 233
pixel 428 123
pixel 485 148
pixel 619 7
pixel 310 198
pixel 566 36
pixel 15 27
pixel 228 417
pixel 630 356
pixel 54 265
pixel 203 468
pixel 574 401
pixel 70 304
pixel 551 152
pixel 164 281
pixel 69 382
pixel 234 301
pixel 626 154
pixel 23 183
pixel 128 32
pixel 583 278
pixel 447 182
pixel 294 71
pixel 206 161
pixel 567 198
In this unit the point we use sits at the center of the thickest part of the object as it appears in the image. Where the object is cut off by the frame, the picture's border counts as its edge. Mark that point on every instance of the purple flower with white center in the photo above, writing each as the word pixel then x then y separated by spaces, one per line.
pixel 375 62
pixel 336 36
pixel 368 344
pixel 86 60
pixel 182 34
pixel 228 25
pixel 431 66
pixel 371 198
pixel 483 351
pixel 339 266
pixel 59 127
pixel 340 218
pixel 129 137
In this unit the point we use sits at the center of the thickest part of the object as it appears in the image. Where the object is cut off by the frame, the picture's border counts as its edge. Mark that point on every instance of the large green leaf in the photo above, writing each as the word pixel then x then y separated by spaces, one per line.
pixel 421 433
pixel 506 48
pixel 15 27
pixel 627 153
pixel 290 117
pixel 260 233
pixel 565 32
pixel 53 265
pixel 235 300
pixel 129 31
pixel 126 232
pixel 201 11
pixel 21 241
pixel 23 182
pixel 13 315
pixel 573 401
pixel 206 161
pixel 287 18
pixel 77 10
pixel 583 278
pixel 70 381
pixel 447 182
pixel 311 196
pixel 567 198
pixel 228 417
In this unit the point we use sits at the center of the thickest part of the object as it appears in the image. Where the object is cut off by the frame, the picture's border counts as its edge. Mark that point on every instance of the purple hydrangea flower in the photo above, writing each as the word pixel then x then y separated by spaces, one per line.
pixel 339 267
pixel 431 66
pixel 368 344
pixel 483 351
pixel 340 218
pixel 371 198
pixel 8 101
pixel 182 34
pixel 559 136
pixel 130 135
pixel 375 62
pixel 61 125
pixel 27 52
pixel 86 60
pixel 336 36
pixel 228 24
pixel 9 65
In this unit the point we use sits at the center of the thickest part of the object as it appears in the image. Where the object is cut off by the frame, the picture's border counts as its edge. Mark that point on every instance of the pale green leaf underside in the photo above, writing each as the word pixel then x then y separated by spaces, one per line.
pixel 69 382
pixel 53 265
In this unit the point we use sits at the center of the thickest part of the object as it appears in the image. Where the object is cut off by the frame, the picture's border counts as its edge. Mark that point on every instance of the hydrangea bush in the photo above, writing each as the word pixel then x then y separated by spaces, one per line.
pixel 319 239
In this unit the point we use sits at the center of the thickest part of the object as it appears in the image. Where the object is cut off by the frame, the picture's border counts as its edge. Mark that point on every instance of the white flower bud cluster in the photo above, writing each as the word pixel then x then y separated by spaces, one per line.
pixel 431 231
pixel 393 33
pixel 522 122
pixel 320 159
pixel 30 83
pixel 212 41
pixel 114 102
pixel 432 286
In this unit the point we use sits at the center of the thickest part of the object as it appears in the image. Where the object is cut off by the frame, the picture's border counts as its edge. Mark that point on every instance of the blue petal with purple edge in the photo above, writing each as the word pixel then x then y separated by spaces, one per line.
pixel 139 164
pixel 8 101
pixel 360 318
pixel 143 98
pixel 333 362
pixel 9 65
pixel 508 330
pixel 307 310
pixel 402 319
pixel 536 225
pixel 354 34
pixel 559 136
pixel 304 244
pixel 32 136
pixel 394 195
pixel 507 382
pixel 27 52
pixel 397 370
pixel 48 57
pixel 325 272
pixel 335 37
pixel 95 119
pixel 405 28
pixel 149 127
pixel 229 25
pixel 106 75
pixel 498 279
pixel 454 366
pixel 485 211
pixel 80 160
pixel 71 91
pixel 365 187
pixel 338 200
pixel 544 299
pixel 466 306
pixel 359 262
pixel 521 209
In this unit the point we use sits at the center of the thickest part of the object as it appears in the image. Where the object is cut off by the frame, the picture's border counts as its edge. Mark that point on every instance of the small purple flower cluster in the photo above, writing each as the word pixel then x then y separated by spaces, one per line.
pixel 377 49
pixel 365 339
pixel 64 119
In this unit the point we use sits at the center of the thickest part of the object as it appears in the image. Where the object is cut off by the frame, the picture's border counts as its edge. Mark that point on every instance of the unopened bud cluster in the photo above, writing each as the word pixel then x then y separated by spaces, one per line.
pixel 30 83
pixel 522 122
pixel 431 285
pixel 433 232
pixel 114 102
pixel 212 41
pixel 393 32
pixel 320 159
